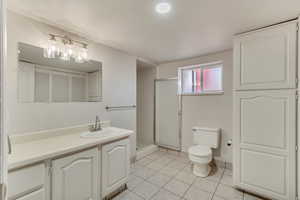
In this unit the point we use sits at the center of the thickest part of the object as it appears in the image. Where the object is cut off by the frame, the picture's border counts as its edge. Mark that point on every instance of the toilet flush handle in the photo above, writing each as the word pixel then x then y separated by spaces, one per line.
pixel 229 142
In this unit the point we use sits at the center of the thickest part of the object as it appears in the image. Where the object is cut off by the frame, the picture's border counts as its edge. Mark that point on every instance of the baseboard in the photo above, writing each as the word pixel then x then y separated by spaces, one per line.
pixel 146 151
pixel 223 164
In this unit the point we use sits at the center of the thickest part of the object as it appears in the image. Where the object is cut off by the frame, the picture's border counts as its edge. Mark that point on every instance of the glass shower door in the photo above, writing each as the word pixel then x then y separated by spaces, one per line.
pixel 167 114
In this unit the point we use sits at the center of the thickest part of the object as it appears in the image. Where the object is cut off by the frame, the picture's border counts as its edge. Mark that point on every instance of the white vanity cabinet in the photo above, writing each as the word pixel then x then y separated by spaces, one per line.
pixel 28 183
pixel 115 165
pixel 86 173
pixel 76 176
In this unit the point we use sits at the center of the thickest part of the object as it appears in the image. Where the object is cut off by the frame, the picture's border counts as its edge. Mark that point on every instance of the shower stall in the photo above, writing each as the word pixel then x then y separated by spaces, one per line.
pixel 158 112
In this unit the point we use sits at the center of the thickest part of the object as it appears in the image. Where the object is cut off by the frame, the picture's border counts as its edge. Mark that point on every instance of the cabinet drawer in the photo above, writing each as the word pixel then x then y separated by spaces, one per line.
pixel 25 180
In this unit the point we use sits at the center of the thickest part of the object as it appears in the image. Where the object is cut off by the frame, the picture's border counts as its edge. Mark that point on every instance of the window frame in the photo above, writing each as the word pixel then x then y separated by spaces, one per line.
pixel 203 66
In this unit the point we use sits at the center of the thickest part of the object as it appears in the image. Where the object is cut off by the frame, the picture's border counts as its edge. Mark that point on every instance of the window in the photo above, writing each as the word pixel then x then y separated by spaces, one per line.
pixel 201 79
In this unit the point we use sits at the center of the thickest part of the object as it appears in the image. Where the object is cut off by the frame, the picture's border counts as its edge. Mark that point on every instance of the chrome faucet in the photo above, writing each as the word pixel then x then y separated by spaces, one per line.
pixel 96 126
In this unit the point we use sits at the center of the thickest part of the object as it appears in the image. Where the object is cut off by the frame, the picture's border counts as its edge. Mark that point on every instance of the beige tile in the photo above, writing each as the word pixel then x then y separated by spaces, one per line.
pixel 177 165
pixel 146 190
pixel 186 177
pixel 228 193
pixel 195 193
pixel 159 179
pixel 144 161
pixel 153 156
pixel 206 185
pixel 169 171
pixel 165 195
pixel 188 168
pixel 135 167
pixel 183 159
pixel 134 181
pixel 176 187
pixel 127 195
pixel 217 198
pixel 155 166
pixel 251 197
pixel 164 160
pixel 144 172
pixel 227 180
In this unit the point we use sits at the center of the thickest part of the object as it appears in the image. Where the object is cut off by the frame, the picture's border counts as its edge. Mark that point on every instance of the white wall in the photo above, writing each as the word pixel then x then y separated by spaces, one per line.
pixel 119 85
pixel 145 105
pixel 206 111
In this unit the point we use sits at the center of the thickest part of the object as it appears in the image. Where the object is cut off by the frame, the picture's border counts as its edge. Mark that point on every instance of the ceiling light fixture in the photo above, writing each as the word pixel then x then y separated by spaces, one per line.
pixel 66 49
pixel 163 8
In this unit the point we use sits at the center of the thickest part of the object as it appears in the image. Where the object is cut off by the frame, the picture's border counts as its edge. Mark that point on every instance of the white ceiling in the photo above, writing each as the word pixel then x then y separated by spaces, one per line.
pixel 193 28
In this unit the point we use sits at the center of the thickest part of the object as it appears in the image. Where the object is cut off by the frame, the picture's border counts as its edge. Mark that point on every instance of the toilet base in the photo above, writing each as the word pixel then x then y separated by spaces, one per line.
pixel 201 170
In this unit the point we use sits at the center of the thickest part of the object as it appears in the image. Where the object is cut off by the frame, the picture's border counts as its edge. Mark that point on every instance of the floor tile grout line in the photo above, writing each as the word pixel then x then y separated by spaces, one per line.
pixel 219 182
pixel 173 177
pixel 189 188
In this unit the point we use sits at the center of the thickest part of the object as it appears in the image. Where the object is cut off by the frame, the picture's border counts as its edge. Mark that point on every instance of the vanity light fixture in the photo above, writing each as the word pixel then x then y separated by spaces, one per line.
pixel 66 48
pixel 163 7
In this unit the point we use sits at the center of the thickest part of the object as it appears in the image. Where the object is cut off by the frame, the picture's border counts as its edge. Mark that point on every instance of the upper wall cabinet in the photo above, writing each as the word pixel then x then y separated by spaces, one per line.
pixel 266 58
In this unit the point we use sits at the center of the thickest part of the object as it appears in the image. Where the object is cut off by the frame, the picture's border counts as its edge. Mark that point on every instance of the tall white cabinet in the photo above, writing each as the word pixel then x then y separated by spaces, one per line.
pixel 265 111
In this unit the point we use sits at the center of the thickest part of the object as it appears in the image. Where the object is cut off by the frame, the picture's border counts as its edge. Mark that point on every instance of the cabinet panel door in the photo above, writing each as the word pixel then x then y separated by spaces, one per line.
pixel 115 165
pixel 37 195
pixel 76 176
pixel 265 142
pixel 266 58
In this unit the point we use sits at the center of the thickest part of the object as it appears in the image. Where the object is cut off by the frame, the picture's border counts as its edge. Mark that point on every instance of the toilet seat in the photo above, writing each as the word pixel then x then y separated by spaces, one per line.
pixel 200 151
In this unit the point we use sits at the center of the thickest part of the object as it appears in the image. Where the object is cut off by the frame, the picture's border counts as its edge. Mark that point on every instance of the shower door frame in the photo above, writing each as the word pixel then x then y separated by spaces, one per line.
pixel 179 112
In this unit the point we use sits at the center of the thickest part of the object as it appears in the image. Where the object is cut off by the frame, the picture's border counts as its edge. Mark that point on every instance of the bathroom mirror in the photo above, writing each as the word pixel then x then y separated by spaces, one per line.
pixel 52 80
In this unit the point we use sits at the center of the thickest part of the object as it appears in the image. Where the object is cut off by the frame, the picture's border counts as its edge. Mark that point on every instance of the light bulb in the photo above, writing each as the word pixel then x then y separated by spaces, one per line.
pixel 163 7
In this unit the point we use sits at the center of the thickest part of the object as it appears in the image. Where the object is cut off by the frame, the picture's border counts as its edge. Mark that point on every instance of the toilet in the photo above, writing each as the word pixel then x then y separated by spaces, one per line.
pixel 200 154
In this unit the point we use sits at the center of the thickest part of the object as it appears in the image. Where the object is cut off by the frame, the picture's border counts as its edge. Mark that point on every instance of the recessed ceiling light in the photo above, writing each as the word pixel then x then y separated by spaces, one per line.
pixel 163 7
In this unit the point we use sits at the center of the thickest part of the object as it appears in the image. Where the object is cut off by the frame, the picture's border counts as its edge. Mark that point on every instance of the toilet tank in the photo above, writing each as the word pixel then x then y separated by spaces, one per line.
pixel 206 136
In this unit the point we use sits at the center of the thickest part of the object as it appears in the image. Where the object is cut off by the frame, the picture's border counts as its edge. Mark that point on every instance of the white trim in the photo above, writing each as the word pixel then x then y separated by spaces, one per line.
pixel 3 131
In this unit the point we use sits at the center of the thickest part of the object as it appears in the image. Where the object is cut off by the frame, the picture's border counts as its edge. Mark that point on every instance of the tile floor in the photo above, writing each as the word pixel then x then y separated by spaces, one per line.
pixel 167 175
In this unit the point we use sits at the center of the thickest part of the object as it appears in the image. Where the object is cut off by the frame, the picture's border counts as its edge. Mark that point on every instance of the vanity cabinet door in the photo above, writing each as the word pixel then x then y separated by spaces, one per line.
pixel 266 58
pixel 265 143
pixel 75 177
pixel 115 165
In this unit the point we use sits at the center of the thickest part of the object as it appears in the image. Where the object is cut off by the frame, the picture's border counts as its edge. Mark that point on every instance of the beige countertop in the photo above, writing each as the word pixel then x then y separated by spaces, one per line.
pixel 38 147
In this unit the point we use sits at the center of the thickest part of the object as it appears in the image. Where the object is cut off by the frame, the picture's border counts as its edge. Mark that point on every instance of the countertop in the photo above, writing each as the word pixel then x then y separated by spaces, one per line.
pixel 62 142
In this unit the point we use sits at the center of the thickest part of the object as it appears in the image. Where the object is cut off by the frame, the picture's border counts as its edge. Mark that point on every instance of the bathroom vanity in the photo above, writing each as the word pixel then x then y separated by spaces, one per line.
pixel 62 164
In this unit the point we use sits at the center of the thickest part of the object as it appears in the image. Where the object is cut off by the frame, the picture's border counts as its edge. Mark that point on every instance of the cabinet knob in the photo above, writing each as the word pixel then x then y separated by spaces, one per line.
pixel 229 143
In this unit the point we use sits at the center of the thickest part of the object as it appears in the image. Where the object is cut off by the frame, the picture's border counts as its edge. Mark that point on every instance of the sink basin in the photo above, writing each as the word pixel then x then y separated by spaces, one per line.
pixel 97 134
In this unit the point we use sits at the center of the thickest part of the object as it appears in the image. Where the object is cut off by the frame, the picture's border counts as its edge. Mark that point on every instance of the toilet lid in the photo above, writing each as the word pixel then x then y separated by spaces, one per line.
pixel 200 150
